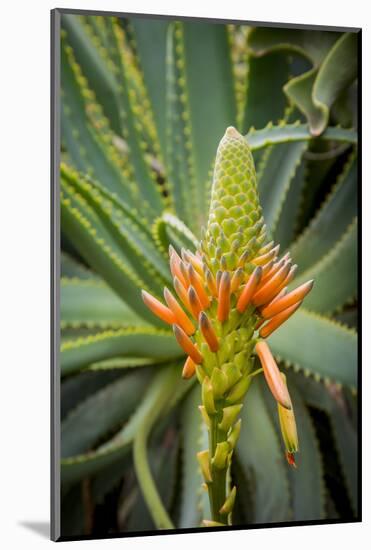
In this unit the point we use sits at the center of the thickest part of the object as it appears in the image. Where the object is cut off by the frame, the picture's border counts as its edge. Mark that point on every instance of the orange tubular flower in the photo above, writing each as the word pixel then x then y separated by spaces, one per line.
pixel 224 296
pixel 270 288
pixel 180 316
pixel 208 332
pixel 163 312
pixel 291 298
pixel 273 375
pixel 277 320
pixel 195 302
pixel 249 289
pixel 189 368
pixel 187 345
pixel 196 282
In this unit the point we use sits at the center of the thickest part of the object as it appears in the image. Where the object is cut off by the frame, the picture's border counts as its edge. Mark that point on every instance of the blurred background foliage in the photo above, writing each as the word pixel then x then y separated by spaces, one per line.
pixel 144 105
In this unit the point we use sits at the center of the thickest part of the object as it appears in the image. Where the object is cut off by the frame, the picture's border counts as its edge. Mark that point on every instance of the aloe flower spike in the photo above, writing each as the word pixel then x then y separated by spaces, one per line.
pixel 234 286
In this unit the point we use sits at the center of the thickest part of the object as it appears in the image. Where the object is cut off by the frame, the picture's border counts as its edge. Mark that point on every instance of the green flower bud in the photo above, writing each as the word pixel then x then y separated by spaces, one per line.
pixel 229 503
pixel 204 462
pixel 235 434
pixel 204 415
pixel 219 382
pixel 232 373
pixel 229 416
pixel 208 396
pixel 239 390
pixel 220 458
pixel 210 523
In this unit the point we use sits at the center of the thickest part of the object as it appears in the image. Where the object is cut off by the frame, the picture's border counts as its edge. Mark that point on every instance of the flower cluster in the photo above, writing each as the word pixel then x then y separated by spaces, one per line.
pixel 230 295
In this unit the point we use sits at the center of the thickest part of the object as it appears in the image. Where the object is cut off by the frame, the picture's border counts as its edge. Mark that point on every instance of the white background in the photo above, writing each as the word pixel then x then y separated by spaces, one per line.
pixel 24 253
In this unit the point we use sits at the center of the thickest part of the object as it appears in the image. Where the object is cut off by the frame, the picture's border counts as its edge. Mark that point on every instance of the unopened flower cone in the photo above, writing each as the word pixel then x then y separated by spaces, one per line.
pixel 231 294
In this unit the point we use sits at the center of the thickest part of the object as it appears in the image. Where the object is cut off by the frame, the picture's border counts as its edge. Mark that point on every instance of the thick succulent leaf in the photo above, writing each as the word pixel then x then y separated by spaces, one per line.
pixel 140 341
pixel 332 291
pixel 209 75
pixel 306 482
pixel 287 223
pixel 71 268
pixel 179 151
pixel 77 388
pixel 276 173
pixel 260 455
pixel 312 45
pixel 285 133
pixel 314 91
pixel 132 114
pixel 318 346
pixel 84 465
pixel 335 74
pixel 194 128
pixel 125 229
pixel 332 401
pixel 308 488
pixel 266 73
pixel 330 222
pixel 90 54
pixel 349 317
pixel 87 139
pixel 325 161
pixel 100 252
pixel 194 505
pixel 101 413
pixel 117 363
pixel 91 303
pixel 346 443
pixel 148 32
pixel 170 230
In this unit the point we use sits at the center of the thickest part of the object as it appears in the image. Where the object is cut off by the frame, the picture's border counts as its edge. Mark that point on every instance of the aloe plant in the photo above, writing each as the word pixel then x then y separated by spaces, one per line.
pixel 144 105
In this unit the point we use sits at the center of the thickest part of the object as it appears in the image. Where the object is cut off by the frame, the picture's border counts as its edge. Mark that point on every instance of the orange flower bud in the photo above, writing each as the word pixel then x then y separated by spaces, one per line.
pixel 187 345
pixel 211 283
pixel 175 263
pixel 189 368
pixel 224 297
pixel 272 375
pixel 237 279
pixel 288 300
pixel 270 288
pixel 180 316
pixel 249 289
pixel 197 284
pixel 195 302
pixel 208 332
pixel 264 258
pixel 277 320
pixel 269 274
pixel 288 429
pixel 182 293
pixel 161 311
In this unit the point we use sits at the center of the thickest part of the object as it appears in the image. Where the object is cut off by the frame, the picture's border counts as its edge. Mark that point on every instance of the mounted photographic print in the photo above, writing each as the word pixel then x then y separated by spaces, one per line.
pixel 205 275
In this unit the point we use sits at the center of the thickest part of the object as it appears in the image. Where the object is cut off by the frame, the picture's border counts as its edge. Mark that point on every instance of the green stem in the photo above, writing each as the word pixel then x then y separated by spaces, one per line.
pixel 166 381
pixel 217 487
